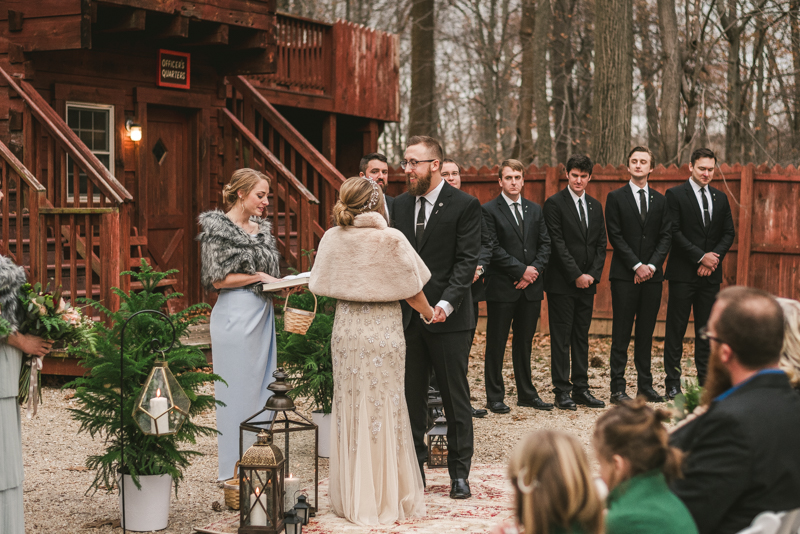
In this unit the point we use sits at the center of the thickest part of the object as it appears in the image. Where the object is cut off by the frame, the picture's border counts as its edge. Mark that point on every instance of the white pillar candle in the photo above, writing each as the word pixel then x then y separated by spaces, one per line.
pixel 292 485
pixel 258 515
pixel 158 406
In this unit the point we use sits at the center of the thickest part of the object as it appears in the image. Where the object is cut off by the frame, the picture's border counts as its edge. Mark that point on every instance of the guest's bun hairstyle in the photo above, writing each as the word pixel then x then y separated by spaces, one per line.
pixel 242 181
pixel 356 196
pixel 790 354
pixel 636 432
pixel 553 485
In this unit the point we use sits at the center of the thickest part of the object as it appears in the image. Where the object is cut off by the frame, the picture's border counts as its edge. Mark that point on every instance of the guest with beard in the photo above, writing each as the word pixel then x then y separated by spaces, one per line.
pixel 375 166
pixel 742 453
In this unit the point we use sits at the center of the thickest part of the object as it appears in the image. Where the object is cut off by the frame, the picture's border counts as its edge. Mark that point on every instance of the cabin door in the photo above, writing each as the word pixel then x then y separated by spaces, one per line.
pixel 168 190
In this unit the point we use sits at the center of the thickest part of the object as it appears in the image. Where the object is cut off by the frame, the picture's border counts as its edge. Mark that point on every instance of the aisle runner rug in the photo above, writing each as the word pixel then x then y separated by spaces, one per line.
pixel 490 504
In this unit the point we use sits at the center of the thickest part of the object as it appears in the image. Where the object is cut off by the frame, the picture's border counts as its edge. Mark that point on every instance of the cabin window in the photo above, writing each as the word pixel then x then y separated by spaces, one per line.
pixel 94 125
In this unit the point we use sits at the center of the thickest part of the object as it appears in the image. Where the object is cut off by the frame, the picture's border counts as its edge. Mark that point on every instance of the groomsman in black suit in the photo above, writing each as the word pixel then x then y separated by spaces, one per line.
pixel 578 241
pixel 514 287
pixel 376 167
pixel 444 225
pixel 702 233
pixel 639 229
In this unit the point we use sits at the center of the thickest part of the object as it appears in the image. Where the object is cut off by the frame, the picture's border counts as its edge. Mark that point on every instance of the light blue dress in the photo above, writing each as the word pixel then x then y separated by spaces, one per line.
pixel 12 513
pixel 243 341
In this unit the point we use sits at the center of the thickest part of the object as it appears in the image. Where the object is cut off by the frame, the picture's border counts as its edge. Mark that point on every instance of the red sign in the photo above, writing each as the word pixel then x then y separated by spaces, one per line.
pixel 173 69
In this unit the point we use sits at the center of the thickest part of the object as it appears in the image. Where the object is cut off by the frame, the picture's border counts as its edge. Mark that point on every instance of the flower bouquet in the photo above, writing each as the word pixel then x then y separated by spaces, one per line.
pixel 5 327
pixel 47 315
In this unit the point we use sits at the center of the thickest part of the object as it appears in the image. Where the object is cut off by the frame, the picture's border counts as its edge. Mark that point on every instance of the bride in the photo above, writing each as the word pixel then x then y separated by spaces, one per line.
pixel 374 474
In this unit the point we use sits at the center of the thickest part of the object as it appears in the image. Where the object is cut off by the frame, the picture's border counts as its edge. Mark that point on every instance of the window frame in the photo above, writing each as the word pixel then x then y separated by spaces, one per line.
pixel 110 109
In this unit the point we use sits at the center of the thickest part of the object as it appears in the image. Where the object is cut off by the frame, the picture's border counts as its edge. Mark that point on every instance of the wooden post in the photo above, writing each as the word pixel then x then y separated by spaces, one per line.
pixel 746 199
pixel 109 249
pixel 329 139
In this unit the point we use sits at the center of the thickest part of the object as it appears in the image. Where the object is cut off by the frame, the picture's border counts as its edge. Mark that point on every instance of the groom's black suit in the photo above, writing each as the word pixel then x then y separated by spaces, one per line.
pixel 450 247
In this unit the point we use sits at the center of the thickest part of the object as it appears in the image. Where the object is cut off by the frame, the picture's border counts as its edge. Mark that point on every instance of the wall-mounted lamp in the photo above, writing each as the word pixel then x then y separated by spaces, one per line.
pixel 134 130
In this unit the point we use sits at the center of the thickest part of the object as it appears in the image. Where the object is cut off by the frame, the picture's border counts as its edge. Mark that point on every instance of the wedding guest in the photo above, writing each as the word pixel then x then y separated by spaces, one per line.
pixel 369 268
pixel 790 354
pixel 636 462
pixel 375 166
pixel 554 492
pixel 12 515
pixel 239 255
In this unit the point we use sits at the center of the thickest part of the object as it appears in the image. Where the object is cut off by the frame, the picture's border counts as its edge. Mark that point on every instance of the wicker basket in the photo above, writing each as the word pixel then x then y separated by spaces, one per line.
pixel 298 321
pixel 231 489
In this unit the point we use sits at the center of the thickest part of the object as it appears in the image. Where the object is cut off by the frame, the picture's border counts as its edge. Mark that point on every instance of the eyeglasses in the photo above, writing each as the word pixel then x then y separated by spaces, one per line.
pixel 703 334
pixel 412 163
pixel 453 174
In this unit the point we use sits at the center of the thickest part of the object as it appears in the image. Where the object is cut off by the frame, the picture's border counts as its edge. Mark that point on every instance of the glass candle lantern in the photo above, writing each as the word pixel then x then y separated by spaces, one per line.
pixel 162 406
pixel 302 508
pixel 294 525
pixel 437 443
pixel 261 488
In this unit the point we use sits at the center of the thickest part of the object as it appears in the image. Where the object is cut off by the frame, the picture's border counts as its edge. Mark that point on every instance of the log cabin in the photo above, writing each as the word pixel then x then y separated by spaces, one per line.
pixel 121 120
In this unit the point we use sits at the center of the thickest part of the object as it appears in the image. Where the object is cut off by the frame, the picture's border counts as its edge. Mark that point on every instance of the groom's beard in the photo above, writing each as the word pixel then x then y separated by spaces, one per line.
pixel 421 185
pixel 718 380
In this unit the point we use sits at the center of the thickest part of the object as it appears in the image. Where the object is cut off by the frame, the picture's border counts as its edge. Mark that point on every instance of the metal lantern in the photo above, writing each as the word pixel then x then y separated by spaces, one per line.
pixel 294 525
pixel 261 488
pixel 302 508
pixel 296 436
pixel 162 406
pixel 437 443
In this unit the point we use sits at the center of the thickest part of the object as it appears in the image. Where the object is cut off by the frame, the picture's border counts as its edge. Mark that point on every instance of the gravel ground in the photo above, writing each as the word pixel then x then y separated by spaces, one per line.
pixel 54 454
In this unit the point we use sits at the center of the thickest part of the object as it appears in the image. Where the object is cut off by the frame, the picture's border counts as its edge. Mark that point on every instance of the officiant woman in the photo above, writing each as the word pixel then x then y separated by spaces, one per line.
pixel 238 256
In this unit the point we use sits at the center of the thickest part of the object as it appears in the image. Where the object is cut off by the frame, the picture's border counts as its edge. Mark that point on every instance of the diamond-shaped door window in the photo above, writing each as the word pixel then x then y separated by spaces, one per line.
pixel 160 151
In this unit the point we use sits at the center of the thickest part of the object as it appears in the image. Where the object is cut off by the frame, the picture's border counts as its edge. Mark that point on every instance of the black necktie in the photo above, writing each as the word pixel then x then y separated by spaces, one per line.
pixel 583 216
pixel 642 204
pixel 518 215
pixel 420 221
pixel 706 215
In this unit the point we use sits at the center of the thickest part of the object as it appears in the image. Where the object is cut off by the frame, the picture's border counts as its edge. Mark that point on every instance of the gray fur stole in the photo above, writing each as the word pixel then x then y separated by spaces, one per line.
pixel 226 249
pixel 12 276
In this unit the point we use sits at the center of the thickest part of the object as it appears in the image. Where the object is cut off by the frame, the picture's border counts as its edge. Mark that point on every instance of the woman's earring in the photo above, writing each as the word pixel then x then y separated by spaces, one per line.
pixel 241 204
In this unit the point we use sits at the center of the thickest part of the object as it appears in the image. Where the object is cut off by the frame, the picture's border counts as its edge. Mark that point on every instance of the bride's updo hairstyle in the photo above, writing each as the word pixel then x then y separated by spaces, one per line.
pixel 242 180
pixel 358 195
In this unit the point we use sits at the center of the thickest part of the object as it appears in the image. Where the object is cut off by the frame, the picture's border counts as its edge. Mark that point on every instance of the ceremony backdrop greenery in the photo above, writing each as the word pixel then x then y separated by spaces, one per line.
pixel 98 393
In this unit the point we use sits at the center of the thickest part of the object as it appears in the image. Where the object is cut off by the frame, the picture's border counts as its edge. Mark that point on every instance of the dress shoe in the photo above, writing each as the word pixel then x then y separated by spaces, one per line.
pixel 537 403
pixel 497 407
pixel 618 397
pixel 650 395
pixel 479 412
pixel 587 399
pixel 673 392
pixel 459 488
pixel 564 402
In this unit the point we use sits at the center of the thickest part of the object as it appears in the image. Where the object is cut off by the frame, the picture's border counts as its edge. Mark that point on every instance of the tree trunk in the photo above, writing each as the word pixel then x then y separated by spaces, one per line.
pixel 613 87
pixel 794 17
pixel 648 65
pixel 670 80
pixel 560 75
pixel 732 30
pixel 523 149
pixel 422 113
pixel 761 114
pixel 541 32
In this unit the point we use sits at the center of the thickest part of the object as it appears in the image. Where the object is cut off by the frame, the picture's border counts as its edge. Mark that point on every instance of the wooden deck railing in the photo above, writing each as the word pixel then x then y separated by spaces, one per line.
pixel 304 55
pixel 66 227
pixel 299 158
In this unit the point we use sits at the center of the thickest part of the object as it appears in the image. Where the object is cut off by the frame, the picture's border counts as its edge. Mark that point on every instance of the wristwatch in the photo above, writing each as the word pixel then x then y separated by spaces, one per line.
pixel 481 270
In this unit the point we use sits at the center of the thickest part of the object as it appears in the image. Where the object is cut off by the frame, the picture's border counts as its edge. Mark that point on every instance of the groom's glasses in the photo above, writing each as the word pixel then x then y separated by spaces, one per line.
pixel 705 336
pixel 412 163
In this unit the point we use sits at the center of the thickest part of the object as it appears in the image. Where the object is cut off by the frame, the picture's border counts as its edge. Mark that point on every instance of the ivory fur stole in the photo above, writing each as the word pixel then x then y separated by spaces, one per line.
pixel 367 262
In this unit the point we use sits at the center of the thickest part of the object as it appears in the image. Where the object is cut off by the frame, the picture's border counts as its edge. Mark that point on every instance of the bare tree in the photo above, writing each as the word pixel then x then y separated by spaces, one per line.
pixel 670 80
pixel 649 65
pixel 540 40
pixel 523 148
pixel 422 108
pixel 561 63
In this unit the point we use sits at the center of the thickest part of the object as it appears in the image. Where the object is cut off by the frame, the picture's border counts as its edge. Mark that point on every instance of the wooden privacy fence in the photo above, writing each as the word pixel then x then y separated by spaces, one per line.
pixel 765 203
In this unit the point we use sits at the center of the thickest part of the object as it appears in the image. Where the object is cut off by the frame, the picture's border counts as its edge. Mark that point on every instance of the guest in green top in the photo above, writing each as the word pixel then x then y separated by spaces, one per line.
pixel 554 492
pixel 636 462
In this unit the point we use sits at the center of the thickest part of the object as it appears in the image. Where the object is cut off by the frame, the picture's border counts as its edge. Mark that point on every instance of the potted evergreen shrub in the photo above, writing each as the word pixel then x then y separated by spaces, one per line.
pixel 307 361
pixel 152 463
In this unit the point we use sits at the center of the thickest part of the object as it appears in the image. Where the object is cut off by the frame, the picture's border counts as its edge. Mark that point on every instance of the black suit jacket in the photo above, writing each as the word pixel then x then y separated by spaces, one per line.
pixel 691 240
pixel 635 241
pixel 450 248
pixel 485 257
pixel 515 250
pixel 574 253
pixel 743 456
pixel 389 206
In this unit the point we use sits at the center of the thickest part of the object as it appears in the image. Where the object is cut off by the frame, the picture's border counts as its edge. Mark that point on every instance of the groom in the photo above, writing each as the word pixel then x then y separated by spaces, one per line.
pixel 444 225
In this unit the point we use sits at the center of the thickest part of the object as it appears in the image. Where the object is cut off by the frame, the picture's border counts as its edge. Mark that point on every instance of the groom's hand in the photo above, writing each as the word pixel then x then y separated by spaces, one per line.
pixel 439 316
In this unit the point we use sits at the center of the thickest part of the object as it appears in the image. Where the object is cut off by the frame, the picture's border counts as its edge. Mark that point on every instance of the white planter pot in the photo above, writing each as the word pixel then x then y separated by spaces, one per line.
pixel 323 421
pixel 146 509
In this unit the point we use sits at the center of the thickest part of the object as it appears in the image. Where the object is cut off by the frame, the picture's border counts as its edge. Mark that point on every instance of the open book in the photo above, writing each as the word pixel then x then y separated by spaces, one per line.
pixel 292 280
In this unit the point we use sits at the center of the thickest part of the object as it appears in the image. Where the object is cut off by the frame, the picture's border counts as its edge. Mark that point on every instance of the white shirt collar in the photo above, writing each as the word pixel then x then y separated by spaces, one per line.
pixel 433 195
pixel 635 188
pixel 575 197
pixel 696 187
pixel 511 202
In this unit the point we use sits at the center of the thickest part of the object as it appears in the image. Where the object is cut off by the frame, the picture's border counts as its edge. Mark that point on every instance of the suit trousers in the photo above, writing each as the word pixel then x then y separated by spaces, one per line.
pixel 521 316
pixel 570 317
pixel 684 298
pixel 633 302
pixel 448 354
pixel 433 383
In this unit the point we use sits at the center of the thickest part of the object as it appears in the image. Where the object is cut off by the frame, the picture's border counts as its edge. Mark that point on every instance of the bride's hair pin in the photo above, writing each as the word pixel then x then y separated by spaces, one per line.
pixel 373 199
